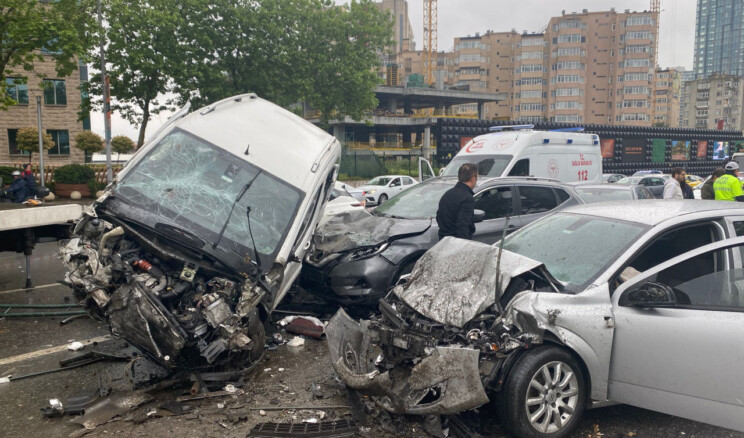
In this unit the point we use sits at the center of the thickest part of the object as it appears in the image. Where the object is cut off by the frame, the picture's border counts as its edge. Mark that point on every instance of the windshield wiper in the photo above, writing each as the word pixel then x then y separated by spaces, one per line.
pixel 237 198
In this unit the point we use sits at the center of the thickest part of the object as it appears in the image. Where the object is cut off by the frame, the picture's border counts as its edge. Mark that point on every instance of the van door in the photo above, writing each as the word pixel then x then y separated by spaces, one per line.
pixel 552 165
pixel 585 166
pixel 424 169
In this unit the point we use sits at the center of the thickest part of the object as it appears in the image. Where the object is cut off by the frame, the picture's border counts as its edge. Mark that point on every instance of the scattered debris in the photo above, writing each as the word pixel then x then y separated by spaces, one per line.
pixel 262 412
pixel 296 342
pixel 303 325
pixel 75 346
pixel 296 408
pixel 208 395
pixel 230 388
pixel 330 429
pixel 112 406
pixel 176 407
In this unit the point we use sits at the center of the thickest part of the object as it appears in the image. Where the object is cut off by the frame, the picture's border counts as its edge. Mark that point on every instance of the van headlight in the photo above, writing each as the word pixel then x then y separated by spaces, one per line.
pixel 363 253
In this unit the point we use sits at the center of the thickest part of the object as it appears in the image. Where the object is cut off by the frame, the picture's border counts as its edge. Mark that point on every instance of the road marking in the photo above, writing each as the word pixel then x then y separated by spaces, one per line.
pixel 48 351
pixel 43 286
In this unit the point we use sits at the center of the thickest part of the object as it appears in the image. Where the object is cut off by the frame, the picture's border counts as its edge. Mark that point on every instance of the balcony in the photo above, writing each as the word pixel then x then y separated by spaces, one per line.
pixel 702 104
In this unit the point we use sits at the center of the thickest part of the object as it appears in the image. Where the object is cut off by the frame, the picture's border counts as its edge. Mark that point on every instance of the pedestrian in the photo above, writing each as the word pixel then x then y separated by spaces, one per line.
pixel 687 192
pixel 707 192
pixel 455 215
pixel 728 187
pixel 18 190
pixel 673 185
pixel 28 176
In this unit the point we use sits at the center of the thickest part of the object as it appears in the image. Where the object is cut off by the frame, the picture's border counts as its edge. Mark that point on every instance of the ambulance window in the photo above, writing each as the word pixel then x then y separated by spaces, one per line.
pixel 522 168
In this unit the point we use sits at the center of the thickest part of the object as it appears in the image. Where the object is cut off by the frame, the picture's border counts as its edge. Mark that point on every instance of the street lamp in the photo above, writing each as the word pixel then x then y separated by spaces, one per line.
pixel 41 140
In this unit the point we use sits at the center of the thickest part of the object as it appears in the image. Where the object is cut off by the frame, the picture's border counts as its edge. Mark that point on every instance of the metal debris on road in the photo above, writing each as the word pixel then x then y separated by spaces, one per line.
pixel 329 429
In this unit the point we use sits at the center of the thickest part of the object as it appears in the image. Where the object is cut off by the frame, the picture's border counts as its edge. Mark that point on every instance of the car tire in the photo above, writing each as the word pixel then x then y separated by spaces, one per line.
pixel 382 199
pixel 544 395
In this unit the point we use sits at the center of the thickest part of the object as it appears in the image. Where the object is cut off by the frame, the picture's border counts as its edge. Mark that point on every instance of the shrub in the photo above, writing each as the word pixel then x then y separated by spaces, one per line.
pixel 89 142
pixel 27 139
pixel 94 186
pixel 121 144
pixel 74 174
pixel 5 174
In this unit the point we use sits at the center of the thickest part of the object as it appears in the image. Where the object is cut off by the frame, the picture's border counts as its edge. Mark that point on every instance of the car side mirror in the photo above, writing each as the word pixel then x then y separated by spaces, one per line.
pixel 649 295
pixel 478 215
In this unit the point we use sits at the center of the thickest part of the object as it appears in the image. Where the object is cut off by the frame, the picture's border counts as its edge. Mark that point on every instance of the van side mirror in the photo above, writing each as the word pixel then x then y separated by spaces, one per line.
pixel 478 215
pixel 650 294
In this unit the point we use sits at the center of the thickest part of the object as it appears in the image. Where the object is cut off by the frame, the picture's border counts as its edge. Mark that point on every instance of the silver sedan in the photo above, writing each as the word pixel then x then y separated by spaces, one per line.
pixel 639 303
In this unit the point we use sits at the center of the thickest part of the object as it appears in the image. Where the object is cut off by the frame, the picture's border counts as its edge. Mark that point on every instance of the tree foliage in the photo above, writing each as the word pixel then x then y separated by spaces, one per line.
pixel 27 140
pixel 121 144
pixel 203 51
pixel 61 28
pixel 89 142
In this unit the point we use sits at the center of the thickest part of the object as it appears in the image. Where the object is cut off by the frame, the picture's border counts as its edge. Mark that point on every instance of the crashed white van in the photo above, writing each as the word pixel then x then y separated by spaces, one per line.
pixel 568 156
pixel 203 232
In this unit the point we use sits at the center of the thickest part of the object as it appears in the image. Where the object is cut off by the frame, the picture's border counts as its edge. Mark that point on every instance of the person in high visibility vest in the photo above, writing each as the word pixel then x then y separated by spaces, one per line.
pixel 728 186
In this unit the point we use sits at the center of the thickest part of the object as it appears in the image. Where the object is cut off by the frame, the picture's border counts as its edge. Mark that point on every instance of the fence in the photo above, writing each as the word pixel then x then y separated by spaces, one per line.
pixel 362 164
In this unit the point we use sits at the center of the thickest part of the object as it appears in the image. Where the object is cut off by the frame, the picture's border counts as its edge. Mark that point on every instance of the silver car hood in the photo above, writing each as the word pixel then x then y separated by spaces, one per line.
pixel 359 228
pixel 455 280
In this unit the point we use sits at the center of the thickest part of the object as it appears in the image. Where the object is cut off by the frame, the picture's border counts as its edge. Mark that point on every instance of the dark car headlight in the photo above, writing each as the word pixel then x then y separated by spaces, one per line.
pixel 363 253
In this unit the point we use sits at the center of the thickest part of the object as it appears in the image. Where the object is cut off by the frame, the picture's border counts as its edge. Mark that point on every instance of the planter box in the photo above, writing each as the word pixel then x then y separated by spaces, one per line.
pixel 64 190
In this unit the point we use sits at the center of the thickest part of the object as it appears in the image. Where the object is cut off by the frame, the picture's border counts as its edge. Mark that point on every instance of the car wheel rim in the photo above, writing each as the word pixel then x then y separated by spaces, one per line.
pixel 552 396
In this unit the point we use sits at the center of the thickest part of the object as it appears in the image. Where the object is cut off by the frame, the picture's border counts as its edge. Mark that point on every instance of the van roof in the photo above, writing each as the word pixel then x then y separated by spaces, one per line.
pixel 510 142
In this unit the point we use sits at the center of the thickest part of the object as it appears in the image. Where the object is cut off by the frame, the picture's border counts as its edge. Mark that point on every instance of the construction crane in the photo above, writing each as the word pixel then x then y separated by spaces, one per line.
pixel 430 40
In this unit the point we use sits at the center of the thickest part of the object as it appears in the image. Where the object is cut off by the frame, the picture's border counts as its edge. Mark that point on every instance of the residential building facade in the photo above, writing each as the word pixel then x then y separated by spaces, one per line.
pixel 60 99
pixel 714 102
pixel 665 103
pixel 719 38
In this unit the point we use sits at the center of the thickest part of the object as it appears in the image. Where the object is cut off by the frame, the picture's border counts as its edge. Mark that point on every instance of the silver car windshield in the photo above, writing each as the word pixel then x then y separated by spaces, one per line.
pixel 199 187
pixel 419 202
pixel 488 165
pixel 575 249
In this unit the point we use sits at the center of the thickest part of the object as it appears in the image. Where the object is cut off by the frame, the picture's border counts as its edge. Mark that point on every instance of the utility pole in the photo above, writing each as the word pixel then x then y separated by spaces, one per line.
pixel 41 140
pixel 106 101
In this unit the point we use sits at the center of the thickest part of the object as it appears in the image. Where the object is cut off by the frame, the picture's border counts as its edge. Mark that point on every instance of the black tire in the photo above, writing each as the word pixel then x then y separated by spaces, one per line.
pixel 512 403
pixel 382 199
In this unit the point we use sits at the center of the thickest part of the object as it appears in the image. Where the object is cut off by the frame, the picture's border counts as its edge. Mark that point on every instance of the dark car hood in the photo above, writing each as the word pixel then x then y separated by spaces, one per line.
pixel 358 229
pixel 456 280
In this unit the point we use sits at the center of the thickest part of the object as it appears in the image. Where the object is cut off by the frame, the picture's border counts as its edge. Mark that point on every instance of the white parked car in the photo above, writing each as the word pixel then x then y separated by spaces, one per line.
pixel 382 188
pixel 340 201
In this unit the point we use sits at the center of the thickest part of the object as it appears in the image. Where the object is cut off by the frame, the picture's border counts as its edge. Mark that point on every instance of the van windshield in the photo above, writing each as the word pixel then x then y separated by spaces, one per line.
pixel 488 165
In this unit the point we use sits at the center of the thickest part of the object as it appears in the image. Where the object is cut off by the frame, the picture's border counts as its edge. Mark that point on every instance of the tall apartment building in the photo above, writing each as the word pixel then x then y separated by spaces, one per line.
pixel 60 100
pixel 718 98
pixel 719 38
pixel 685 77
pixel 402 41
pixel 588 67
pixel 665 103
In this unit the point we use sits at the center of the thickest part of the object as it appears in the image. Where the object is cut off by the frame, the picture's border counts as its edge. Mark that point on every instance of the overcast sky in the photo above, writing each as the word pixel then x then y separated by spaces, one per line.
pixel 466 17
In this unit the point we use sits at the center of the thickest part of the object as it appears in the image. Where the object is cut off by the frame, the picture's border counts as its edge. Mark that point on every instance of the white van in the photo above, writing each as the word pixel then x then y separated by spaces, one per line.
pixel 561 155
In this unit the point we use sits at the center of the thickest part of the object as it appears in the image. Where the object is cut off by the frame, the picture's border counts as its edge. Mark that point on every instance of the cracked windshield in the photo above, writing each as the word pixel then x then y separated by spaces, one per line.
pixel 195 184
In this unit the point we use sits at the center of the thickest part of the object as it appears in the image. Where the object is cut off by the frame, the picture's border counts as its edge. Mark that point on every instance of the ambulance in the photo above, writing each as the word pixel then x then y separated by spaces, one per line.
pixel 567 155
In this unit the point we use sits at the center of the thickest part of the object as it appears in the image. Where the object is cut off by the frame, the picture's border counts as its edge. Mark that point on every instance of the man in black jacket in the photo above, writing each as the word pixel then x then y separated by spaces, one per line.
pixel 455 214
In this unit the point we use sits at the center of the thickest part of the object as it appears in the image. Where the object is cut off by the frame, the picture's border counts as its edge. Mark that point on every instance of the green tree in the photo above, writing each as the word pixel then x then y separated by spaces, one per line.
pixel 27 140
pixel 288 51
pixel 121 144
pixel 89 142
pixel 61 28
pixel 146 45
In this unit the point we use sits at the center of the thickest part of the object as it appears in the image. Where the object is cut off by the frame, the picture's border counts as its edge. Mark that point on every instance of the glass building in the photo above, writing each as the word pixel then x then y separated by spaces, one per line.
pixel 719 38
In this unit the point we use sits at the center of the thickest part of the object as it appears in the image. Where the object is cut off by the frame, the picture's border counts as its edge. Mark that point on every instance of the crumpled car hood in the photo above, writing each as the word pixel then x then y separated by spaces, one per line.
pixel 455 280
pixel 359 229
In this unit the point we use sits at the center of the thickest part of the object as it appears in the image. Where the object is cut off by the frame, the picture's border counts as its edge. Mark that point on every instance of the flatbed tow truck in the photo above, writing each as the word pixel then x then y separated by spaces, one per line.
pixel 22 226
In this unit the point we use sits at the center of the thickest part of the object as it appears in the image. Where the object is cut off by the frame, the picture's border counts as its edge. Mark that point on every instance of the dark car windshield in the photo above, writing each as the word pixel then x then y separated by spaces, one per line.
pixel 599 194
pixel 575 249
pixel 194 185
pixel 419 202
pixel 488 165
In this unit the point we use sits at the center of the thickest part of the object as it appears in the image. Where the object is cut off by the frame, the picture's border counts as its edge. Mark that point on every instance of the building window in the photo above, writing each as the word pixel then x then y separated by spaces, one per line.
pixel 642 35
pixel 61 138
pixel 639 20
pixel 13 144
pixel 571 38
pixel 55 92
pixel 17 90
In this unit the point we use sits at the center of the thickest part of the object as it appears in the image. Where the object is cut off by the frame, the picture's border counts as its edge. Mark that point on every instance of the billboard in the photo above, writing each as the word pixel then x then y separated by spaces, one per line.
pixel 680 150
pixel 608 148
pixel 464 141
pixel 720 150
pixel 658 150
pixel 633 149
pixel 702 148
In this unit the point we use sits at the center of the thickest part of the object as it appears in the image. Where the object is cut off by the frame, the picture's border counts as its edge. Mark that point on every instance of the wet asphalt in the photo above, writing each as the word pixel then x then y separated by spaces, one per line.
pixel 36 338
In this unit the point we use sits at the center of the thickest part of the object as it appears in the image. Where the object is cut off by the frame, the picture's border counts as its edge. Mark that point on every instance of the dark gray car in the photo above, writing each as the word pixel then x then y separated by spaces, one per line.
pixel 356 257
